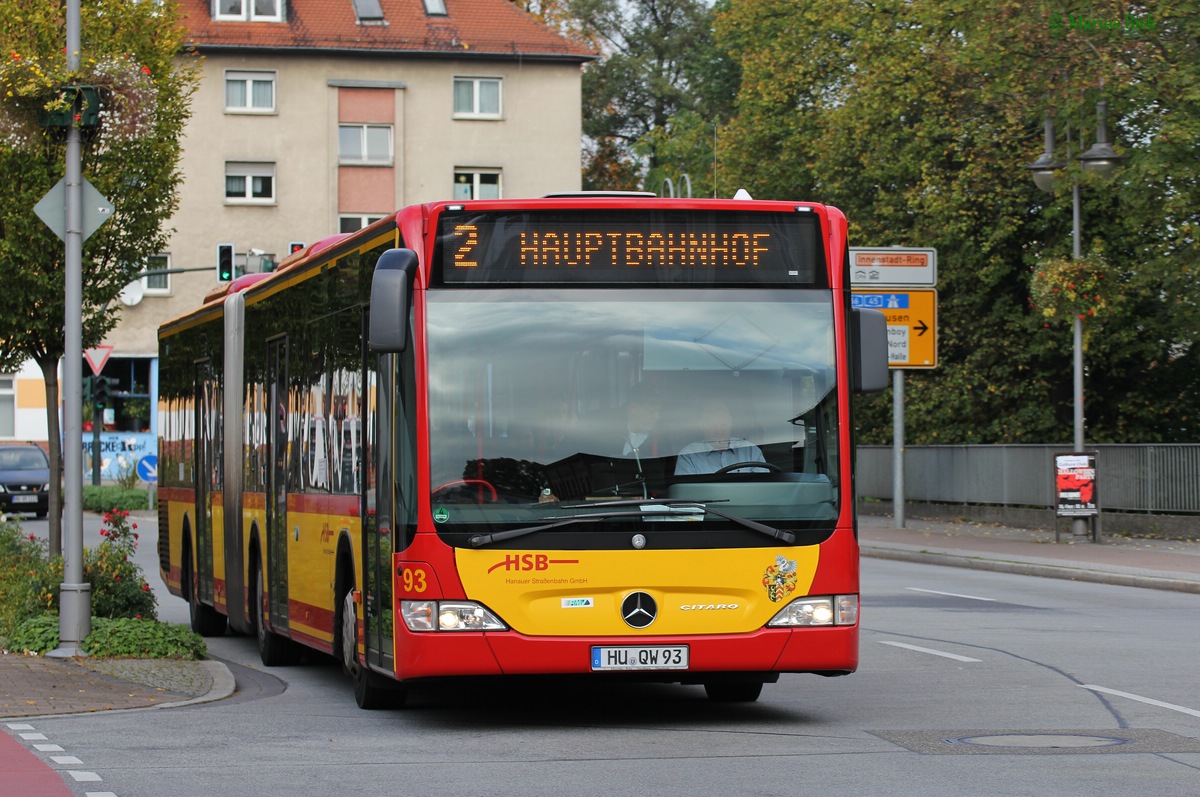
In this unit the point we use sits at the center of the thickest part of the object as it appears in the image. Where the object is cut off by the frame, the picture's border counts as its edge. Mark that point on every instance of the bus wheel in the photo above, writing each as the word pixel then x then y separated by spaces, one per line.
pixel 273 649
pixel 205 620
pixel 371 690
pixel 733 691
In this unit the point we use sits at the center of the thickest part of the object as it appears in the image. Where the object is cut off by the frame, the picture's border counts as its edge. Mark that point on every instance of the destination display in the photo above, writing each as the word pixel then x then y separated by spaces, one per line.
pixel 623 246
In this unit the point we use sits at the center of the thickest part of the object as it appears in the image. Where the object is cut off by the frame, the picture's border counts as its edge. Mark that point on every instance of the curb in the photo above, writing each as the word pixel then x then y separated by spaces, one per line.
pixel 223 686
pixel 1027 568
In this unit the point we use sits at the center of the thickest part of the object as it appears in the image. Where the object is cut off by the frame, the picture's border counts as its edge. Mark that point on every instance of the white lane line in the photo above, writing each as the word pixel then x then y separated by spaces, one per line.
pixel 1140 699
pixel 941 653
pixel 65 759
pixel 100 794
pixel 20 726
pixel 31 737
pixel 951 594
pixel 82 777
pixel 48 748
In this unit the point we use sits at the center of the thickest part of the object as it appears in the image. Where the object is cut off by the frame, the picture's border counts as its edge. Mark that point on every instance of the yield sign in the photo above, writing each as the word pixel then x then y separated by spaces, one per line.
pixel 97 357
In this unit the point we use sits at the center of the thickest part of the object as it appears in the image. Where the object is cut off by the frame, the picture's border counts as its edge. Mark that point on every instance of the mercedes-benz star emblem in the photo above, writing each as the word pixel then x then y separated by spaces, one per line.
pixel 638 610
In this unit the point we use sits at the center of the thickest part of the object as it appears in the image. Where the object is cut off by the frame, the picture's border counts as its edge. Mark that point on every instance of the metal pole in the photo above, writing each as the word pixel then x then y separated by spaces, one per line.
pixel 1079 525
pixel 898 446
pixel 75 604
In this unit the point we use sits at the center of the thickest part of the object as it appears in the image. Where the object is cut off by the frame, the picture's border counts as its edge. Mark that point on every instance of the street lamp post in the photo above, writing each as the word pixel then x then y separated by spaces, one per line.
pixel 1102 161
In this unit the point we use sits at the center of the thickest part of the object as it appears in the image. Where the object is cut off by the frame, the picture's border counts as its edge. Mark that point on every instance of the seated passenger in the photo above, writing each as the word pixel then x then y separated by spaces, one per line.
pixel 719 449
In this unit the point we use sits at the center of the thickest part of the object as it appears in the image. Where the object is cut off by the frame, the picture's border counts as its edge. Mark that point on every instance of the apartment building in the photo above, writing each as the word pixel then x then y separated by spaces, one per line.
pixel 319 116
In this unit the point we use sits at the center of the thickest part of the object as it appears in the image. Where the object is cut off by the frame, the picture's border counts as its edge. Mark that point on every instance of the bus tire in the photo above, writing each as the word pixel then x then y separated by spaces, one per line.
pixel 733 691
pixel 371 690
pixel 204 619
pixel 273 649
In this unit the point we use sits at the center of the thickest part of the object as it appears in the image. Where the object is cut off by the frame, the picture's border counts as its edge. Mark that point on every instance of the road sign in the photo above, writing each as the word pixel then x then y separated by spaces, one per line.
pixel 147 468
pixel 52 209
pixel 911 324
pixel 892 266
pixel 97 357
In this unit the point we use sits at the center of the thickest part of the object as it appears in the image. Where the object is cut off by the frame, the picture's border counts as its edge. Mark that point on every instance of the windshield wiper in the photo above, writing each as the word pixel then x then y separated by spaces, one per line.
pixel 645 507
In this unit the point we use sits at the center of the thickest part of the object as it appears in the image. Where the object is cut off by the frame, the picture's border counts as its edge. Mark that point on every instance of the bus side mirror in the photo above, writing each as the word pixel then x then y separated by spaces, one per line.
pixel 869 361
pixel 391 298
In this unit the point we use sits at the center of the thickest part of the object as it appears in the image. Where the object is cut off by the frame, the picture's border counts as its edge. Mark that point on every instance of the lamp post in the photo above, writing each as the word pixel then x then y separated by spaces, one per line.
pixel 1102 161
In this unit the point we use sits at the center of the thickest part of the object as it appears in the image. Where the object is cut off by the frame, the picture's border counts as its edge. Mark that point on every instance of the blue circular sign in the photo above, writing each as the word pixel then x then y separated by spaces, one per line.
pixel 147 468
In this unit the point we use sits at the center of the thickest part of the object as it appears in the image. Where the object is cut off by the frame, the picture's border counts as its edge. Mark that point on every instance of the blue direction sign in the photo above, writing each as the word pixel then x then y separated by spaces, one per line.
pixel 147 468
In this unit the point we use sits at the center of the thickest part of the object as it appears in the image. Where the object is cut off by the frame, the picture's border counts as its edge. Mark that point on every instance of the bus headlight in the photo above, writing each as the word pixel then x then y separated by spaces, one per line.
pixel 824 611
pixel 449 616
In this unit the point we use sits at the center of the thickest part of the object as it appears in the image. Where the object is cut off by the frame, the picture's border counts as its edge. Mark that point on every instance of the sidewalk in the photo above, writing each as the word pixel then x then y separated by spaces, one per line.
pixel 1153 564
pixel 37 686
pixel 34 686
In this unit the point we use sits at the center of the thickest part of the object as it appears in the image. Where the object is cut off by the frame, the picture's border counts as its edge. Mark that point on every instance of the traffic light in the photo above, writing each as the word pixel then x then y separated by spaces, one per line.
pixel 101 392
pixel 295 246
pixel 225 267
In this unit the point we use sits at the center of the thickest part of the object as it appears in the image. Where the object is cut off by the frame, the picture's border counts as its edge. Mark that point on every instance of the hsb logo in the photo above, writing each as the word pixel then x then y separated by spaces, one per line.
pixel 530 561
pixel 525 561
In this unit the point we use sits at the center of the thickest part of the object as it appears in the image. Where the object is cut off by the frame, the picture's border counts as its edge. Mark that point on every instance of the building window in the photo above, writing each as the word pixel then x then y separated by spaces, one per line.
pixel 250 183
pixel 157 283
pixel 353 222
pixel 254 10
pixel 8 406
pixel 476 98
pixel 476 185
pixel 368 12
pixel 250 92
pixel 435 8
pixel 365 144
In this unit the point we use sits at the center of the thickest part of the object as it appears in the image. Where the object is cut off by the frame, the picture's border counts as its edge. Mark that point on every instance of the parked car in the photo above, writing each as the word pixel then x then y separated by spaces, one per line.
pixel 24 479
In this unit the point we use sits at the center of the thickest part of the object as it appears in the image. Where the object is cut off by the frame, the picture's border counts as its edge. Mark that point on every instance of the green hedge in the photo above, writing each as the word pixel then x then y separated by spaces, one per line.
pixel 104 497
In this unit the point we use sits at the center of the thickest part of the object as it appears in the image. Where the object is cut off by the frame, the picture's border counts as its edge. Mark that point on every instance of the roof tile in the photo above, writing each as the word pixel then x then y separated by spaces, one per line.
pixel 470 27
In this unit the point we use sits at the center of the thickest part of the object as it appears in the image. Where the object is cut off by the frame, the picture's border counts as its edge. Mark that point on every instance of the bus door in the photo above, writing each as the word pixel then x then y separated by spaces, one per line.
pixel 208 467
pixel 275 566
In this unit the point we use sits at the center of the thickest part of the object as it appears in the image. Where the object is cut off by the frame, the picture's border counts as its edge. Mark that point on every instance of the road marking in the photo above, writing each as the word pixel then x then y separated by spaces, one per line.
pixel 29 733
pixel 1140 699
pixel 951 594
pixel 941 653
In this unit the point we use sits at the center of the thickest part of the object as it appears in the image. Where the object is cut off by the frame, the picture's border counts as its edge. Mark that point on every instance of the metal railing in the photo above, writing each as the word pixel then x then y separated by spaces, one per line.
pixel 1129 478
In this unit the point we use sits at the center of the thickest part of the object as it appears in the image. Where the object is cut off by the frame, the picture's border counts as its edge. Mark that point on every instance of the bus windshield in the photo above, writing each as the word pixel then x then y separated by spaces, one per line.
pixel 545 401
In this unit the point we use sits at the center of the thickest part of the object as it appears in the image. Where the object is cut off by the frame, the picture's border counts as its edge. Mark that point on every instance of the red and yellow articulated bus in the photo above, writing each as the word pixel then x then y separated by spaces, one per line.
pixel 582 434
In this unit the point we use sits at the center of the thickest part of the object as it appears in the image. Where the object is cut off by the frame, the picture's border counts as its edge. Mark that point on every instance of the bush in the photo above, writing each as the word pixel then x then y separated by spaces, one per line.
pixel 143 639
pixel 102 498
pixel 113 639
pixel 30 580
pixel 118 587
pixel 35 635
pixel 25 575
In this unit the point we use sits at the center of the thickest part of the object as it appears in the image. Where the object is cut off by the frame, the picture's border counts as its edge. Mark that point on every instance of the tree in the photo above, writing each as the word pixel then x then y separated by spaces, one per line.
pixel 658 61
pixel 916 120
pixel 133 54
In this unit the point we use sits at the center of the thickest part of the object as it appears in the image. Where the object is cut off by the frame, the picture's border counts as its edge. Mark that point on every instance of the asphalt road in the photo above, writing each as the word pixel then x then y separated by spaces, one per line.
pixel 970 682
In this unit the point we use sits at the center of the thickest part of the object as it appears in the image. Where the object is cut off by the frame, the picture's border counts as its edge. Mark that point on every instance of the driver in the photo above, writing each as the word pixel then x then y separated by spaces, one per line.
pixel 719 448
